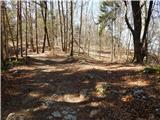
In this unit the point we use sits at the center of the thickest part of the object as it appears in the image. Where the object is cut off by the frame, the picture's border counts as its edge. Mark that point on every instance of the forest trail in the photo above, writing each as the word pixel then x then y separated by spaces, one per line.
pixel 62 88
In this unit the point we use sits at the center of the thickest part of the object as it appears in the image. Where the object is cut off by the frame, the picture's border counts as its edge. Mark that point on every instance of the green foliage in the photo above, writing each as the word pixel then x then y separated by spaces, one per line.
pixel 102 88
pixel 11 63
pixel 108 9
pixel 152 69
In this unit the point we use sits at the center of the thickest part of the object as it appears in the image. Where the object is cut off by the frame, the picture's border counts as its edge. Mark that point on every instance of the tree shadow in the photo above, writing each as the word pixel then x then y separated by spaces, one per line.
pixel 33 86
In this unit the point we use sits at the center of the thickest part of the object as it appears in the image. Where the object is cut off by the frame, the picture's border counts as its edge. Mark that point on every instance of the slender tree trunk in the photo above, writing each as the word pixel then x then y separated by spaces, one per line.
pixel 89 42
pixel 6 38
pixel 2 35
pixel 71 53
pixel 44 15
pixel 10 31
pixel 46 30
pixel 60 20
pixel 20 25
pixel 64 27
pixel 67 26
pixel 80 29
pixel 17 29
pixel 52 17
pixel 26 33
pixel 112 49
pixel 31 28
pixel 36 28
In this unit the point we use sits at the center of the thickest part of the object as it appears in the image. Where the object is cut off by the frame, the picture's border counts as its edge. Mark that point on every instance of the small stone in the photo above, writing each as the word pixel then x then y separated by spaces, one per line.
pixel 93 113
pixel 73 112
pixel 94 104
pixel 89 76
pixel 157 109
pixel 49 117
pixel 78 109
pixel 144 97
pixel 28 110
pixel 64 112
pixel 47 103
pixel 138 92
pixel 83 93
pixel 15 72
pixel 70 117
pixel 56 114
pixel 54 95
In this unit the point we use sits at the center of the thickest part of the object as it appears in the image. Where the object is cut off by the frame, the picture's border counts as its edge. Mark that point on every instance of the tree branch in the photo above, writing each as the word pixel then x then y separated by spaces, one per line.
pixel 127 21
pixel 147 21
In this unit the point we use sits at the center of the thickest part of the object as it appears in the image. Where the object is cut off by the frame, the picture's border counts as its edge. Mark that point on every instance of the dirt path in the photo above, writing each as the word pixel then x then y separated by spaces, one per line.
pixel 61 88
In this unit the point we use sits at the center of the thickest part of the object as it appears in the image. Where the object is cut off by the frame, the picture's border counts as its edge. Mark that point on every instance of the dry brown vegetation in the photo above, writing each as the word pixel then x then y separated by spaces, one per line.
pixel 83 88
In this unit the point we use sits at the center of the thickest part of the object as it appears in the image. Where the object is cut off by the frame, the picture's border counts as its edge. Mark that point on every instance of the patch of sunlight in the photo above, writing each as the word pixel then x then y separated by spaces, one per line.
pixel 39 108
pixel 74 98
pixel 127 98
pixel 89 67
pixel 47 70
pixel 95 104
pixel 22 68
pixel 86 82
pixel 69 98
pixel 68 73
pixel 35 94
pixel 137 68
pixel 137 83
pixel 44 85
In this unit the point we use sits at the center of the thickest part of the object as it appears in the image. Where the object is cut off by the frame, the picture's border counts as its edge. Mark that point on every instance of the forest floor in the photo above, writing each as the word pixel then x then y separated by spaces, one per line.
pixel 57 87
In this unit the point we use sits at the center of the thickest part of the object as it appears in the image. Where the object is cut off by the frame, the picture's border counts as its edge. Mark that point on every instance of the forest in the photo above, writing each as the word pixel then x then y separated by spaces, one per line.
pixel 80 59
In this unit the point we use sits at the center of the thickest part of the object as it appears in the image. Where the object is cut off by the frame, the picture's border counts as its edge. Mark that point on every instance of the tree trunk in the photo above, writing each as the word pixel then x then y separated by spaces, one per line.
pixel 44 15
pixel 71 53
pixel 64 27
pixel 140 45
pixel 2 35
pixel 36 28
pixel 20 26
pixel 10 31
pixel 60 20
pixel 80 29
pixel 112 48
pixel 17 29
pixel 67 26
pixel 31 28
pixel 26 34
pixel 53 26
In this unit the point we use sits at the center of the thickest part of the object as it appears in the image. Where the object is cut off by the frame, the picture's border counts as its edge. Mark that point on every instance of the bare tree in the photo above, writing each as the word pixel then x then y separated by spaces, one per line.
pixel 64 27
pixel 26 42
pixel 140 45
pixel 20 26
pixel 17 29
pixel 31 27
pixel 80 28
pixel 53 24
pixel 60 20
pixel 36 28
pixel 44 15
pixel 71 53
pixel 10 30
